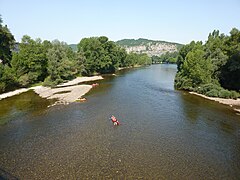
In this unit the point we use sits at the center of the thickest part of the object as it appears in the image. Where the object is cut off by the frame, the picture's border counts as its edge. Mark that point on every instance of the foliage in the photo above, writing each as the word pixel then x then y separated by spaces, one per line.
pixel 61 63
pixel 212 69
pixel 6 43
pixel 73 47
pixel 30 63
pixel 230 71
pixel 104 56
pixel 8 80
pixel 168 57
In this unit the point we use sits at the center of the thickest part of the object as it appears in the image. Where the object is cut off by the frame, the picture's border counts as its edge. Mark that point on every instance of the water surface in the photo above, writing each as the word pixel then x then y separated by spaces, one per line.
pixel 164 133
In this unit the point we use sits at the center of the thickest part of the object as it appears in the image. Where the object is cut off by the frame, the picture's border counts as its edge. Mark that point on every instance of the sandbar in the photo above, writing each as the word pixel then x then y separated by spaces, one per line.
pixel 67 92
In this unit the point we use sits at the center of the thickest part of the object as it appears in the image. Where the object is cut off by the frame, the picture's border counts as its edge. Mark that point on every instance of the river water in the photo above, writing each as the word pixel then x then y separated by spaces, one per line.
pixel 164 133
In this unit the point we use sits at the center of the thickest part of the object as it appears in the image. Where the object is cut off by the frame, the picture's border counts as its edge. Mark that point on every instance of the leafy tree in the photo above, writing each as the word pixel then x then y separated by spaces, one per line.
pixel 6 43
pixel 102 55
pixel 30 62
pixel 8 79
pixel 230 72
pixel 168 57
pixel 185 50
pixel 61 65
pixel 212 69
pixel 215 50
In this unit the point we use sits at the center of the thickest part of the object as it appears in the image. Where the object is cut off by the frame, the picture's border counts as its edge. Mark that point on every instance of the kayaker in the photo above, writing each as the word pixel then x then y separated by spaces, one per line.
pixel 115 121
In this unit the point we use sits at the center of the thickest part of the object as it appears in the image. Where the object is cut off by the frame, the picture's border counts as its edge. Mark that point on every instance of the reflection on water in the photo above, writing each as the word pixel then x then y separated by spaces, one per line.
pixel 25 104
pixel 164 133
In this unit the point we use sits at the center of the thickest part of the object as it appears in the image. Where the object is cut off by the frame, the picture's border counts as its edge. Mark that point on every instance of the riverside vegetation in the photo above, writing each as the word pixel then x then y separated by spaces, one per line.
pixel 52 63
pixel 213 68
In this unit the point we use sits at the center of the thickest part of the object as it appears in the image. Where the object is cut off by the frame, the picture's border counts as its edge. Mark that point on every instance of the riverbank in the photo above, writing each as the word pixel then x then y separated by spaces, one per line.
pixel 66 92
pixel 231 102
pixel 16 92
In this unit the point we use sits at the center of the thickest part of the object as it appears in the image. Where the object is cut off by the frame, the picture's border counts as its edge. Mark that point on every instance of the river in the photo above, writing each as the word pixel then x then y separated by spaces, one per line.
pixel 164 133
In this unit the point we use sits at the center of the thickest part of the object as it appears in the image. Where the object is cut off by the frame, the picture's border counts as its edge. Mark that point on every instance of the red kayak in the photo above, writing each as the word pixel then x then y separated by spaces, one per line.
pixel 115 121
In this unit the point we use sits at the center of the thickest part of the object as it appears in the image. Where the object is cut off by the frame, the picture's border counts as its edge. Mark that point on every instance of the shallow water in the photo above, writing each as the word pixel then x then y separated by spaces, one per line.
pixel 164 133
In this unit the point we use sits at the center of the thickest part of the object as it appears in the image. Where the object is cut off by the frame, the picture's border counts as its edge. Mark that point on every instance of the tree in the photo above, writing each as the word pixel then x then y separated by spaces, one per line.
pixel 185 50
pixel 30 63
pixel 61 65
pixel 6 43
pixel 215 50
pixel 102 55
pixel 230 72
pixel 211 67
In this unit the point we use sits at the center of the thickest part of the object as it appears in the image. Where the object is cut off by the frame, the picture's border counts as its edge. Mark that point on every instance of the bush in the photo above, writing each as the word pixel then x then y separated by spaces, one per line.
pixel 2 87
pixel 234 95
pixel 224 94
pixel 24 80
pixel 183 83
pixel 49 82
pixel 212 93
pixel 207 87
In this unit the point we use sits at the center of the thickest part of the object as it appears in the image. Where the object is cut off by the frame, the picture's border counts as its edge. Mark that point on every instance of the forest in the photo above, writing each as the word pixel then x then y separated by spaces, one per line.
pixel 168 58
pixel 213 68
pixel 32 62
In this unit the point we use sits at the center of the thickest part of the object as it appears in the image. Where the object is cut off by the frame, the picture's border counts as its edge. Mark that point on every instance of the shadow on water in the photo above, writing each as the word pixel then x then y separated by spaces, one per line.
pixel 200 110
pixel 4 175
pixel 25 104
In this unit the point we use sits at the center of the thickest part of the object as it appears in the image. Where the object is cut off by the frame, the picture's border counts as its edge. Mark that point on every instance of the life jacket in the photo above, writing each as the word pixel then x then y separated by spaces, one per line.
pixel 113 119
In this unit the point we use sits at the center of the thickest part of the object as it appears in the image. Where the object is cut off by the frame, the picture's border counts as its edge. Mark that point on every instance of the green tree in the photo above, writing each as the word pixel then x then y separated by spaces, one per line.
pixel 30 62
pixel 230 72
pixel 6 43
pixel 102 55
pixel 215 50
pixel 61 65
pixel 185 50
pixel 195 71
pixel 212 69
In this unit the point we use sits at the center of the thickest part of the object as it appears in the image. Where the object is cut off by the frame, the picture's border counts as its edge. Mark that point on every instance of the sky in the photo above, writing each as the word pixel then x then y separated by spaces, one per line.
pixel 178 21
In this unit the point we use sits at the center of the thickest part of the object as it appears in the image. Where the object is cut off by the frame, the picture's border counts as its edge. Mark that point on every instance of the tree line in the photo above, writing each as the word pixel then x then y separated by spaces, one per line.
pixel 168 57
pixel 213 68
pixel 37 61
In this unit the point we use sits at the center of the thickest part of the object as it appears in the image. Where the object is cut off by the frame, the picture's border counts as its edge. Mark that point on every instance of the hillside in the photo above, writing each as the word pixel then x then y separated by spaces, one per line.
pixel 150 47
pixel 73 46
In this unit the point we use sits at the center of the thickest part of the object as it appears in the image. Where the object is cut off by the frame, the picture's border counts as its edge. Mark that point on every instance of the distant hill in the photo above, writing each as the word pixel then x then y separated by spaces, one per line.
pixel 150 47
pixel 73 46
pixel 141 45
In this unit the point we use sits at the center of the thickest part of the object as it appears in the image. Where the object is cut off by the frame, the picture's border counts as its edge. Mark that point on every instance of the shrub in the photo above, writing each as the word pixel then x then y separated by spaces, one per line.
pixel 234 95
pixel 207 87
pixel 2 87
pixel 24 80
pixel 212 93
pixel 183 83
pixel 48 82
pixel 224 94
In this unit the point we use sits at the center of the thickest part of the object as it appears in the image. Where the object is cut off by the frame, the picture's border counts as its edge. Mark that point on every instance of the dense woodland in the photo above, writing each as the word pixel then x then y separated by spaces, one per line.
pixel 168 57
pixel 37 61
pixel 213 68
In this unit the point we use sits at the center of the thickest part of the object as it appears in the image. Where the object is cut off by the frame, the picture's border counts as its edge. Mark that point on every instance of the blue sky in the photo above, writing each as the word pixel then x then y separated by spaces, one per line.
pixel 70 20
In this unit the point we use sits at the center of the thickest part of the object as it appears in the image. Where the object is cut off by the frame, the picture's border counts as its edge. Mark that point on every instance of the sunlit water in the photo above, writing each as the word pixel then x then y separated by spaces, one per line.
pixel 164 133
